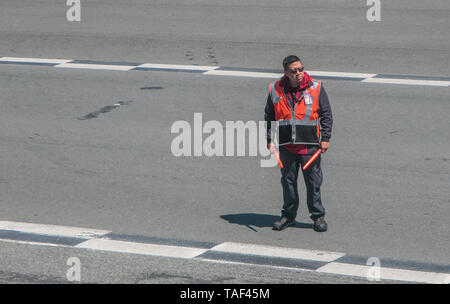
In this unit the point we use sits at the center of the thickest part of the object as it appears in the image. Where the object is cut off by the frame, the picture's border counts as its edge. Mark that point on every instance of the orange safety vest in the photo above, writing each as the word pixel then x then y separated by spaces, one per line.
pixel 298 125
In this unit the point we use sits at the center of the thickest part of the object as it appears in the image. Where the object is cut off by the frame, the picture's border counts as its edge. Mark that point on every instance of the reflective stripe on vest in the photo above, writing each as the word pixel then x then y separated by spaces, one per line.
pixel 273 94
pixel 298 124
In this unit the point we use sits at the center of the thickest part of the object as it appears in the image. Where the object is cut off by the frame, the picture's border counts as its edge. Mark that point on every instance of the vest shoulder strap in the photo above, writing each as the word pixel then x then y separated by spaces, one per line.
pixel 316 84
pixel 273 92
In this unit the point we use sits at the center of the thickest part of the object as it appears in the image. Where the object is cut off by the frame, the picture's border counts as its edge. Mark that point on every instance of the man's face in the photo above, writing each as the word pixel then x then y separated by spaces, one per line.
pixel 294 73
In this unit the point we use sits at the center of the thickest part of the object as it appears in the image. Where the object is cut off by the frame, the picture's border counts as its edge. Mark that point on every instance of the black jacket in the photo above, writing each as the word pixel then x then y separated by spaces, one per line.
pixel 325 117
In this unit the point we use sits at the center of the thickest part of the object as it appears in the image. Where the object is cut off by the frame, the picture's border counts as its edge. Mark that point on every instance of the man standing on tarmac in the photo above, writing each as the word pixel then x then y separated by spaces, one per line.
pixel 301 108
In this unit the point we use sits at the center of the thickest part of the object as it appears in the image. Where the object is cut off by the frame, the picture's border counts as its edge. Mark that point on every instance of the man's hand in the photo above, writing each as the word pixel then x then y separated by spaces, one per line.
pixel 271 147
pixel 324 146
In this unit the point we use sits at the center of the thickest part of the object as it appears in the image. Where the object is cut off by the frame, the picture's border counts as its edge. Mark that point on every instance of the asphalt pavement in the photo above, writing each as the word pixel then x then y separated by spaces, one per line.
pixel 92 148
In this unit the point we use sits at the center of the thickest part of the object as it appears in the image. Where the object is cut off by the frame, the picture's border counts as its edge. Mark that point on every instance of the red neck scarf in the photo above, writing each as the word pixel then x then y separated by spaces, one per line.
pixel 306 82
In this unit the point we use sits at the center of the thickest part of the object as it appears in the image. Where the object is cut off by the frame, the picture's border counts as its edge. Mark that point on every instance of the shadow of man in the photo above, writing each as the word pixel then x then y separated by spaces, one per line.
pixel 257 220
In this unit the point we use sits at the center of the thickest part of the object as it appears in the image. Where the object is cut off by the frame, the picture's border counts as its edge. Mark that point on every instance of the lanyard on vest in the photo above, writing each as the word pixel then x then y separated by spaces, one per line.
pixel 305 96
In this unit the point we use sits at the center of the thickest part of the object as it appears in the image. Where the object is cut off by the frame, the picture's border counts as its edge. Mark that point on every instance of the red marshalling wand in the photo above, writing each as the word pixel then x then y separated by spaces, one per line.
pixel 275 153
pixel 313 158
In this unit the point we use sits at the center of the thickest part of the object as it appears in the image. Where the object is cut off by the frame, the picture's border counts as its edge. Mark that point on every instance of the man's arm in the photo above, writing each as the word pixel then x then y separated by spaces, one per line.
pixel 269 116
pixel 325 118
pixel 325 115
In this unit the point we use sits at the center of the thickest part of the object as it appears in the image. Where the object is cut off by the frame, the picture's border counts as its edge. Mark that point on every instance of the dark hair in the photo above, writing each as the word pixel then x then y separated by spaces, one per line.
pixel 290 59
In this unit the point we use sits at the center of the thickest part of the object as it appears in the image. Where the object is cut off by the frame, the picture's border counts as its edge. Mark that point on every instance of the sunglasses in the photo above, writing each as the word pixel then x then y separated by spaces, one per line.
pixel 297 70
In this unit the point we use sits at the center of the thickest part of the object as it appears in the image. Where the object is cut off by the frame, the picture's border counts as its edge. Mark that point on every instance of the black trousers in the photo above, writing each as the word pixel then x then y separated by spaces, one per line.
pixel 292 164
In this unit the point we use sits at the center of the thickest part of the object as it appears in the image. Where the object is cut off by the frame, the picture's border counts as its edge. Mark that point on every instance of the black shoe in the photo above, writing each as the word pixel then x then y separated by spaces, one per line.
pixel 283 223
pixel 320 225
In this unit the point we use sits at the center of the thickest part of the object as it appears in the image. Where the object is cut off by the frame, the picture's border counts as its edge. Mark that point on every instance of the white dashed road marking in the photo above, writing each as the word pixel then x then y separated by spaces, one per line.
pixel 224 71
pixel 227 252
pixel 55 230
pixel 33 60
pixel 408 81
pixel 95 66
pixel 177 67
pixel 385 273
pixel 340 74
pixel 244 74
pixel 140 248
pixel 293 253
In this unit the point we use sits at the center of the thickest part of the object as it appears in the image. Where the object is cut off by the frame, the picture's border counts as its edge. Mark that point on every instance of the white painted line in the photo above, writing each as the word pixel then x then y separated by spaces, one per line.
pixel 340 74
pixel 177 67
pixel 385 273
pixel 447 279
pixel 294 253
pixel 408 81
pixel 34 60
pixel 95 66
pixel 212 70
pixel 141 248
pixel 52 229
pixel 243 74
